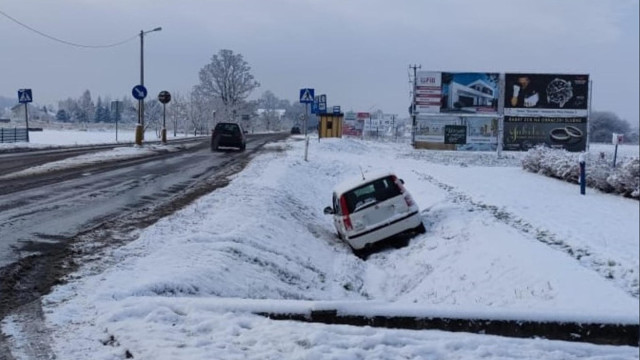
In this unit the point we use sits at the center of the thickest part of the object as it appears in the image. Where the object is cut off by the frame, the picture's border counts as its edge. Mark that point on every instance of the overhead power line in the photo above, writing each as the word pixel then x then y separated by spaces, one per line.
pixel 64 41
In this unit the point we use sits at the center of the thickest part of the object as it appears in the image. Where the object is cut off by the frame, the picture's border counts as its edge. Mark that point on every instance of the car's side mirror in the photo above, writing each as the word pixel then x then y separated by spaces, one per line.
pixel 328 210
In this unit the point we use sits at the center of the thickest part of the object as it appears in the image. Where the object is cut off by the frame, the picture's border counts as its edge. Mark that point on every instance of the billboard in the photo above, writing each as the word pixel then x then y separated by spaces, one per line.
pixel 523 133
pixel 457 93
pixel 481 133
pixel 546 95
pixel 431 129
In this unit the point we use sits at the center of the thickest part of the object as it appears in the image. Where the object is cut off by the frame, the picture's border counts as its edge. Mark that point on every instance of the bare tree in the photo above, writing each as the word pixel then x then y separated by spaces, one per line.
pixel 86 109
pixel 153 115
pixel 227 78
pixel 270 115
pixel 179 112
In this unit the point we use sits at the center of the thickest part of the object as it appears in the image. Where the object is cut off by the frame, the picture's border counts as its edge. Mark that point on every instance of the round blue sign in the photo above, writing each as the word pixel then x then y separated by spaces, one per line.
pixel 139 92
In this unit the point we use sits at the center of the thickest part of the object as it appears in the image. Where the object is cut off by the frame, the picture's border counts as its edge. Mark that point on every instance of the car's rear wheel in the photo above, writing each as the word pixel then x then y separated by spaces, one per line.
pixel 214 143
pixel 420 229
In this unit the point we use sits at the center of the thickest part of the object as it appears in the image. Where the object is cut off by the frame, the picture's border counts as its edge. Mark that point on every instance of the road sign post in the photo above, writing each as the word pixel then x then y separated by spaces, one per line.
pixel 306 97
pixel 583 175
pixel 25 97
pixel 139 92
pixel 164 97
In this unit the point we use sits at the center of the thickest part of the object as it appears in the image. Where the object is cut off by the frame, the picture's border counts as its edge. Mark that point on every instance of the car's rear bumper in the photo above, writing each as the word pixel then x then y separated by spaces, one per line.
pixel 361 239
pixel 229 142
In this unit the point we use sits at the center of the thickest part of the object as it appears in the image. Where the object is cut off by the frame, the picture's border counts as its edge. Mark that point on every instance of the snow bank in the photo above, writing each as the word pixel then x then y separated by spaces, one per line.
pixel 624 179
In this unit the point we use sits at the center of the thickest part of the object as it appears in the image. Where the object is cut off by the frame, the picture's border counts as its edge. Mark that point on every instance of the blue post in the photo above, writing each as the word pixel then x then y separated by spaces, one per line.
pixel 583 181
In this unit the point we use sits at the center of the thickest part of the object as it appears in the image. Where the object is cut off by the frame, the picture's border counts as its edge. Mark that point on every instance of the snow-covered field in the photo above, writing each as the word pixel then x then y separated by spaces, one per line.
pixel 500 242
pixel 51 137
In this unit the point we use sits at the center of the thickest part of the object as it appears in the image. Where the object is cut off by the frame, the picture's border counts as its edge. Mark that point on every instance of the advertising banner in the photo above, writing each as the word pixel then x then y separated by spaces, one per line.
pixel 470 93
pixel 546 95
pixel 482 130
pixel 479 133
pixel 455 134
pixel 457 93
pixel 428 92
pixel 523 133
pixel 431 129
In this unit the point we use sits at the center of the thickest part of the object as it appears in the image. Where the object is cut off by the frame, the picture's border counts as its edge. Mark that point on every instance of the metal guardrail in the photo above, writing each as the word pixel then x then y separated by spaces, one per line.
pixel 8 135
pixel 595 333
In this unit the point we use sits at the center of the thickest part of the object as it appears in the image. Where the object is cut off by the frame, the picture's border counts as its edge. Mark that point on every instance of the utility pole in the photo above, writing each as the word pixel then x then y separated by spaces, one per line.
pixel 413 104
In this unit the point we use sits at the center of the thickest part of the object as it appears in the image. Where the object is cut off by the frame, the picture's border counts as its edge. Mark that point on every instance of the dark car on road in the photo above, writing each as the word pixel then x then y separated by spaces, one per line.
pixel 295 130
pixel 228 135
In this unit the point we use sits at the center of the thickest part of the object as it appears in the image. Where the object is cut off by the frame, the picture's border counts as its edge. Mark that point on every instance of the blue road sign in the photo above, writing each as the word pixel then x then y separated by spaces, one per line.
pixel 306 96
pixel 322 104
pixel 25 96
pixel 314 105
pixel 336 109
pixel 139 92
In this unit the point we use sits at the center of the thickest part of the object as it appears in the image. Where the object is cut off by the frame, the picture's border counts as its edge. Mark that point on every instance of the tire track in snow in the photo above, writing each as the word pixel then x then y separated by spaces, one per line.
pixel 624 277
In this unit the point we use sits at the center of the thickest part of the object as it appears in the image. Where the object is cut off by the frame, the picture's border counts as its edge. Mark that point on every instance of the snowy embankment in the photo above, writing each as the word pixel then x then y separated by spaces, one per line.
pixel 500 242
pixel 624 179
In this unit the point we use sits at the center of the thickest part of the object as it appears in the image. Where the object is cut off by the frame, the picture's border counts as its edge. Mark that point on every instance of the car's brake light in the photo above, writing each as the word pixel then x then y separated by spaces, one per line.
pixel 345 213
pixel 398 184
pixel 409 200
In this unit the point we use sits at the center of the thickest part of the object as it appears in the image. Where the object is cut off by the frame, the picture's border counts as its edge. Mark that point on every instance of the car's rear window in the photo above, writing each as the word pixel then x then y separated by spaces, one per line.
pixel 227 127
pixel 371 193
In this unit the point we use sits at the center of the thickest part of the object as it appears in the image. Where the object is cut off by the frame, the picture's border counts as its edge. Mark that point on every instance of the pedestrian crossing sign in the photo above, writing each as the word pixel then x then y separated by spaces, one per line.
pixel 306 96
pixel 24 96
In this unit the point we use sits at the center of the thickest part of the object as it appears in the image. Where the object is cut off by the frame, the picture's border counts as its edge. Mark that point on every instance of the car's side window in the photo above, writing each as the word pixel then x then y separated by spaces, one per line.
pixel 336 205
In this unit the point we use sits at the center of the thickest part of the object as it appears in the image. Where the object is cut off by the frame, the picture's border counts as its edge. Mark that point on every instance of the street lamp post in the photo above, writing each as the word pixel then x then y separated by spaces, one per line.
pixel 140 126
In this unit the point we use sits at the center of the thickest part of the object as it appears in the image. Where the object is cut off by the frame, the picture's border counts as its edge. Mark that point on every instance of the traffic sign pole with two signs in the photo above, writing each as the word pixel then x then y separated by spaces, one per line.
pixel 25 97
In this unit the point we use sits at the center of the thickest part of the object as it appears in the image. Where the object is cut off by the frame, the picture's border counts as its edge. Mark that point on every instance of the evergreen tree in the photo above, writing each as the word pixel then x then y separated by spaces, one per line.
pixel 63 116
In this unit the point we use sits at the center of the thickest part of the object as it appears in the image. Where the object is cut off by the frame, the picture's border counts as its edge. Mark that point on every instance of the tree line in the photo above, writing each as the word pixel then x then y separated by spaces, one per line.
pixel 221 95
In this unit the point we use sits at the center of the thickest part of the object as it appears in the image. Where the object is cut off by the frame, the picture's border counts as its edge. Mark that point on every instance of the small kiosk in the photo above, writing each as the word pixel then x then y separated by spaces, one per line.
pixel 330 125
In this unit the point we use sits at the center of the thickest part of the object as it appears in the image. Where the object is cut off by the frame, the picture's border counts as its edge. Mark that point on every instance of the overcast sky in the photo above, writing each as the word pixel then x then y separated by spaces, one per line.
pixel 357 52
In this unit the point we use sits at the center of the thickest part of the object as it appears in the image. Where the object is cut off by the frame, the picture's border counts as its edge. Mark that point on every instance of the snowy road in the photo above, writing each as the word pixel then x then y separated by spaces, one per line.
pixel 63 205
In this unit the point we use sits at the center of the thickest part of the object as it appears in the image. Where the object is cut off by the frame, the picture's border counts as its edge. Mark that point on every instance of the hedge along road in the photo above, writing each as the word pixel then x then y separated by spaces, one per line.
pixel 44 217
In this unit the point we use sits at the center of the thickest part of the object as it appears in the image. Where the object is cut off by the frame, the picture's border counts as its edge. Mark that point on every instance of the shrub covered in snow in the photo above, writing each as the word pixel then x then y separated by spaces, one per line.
pixel 624 179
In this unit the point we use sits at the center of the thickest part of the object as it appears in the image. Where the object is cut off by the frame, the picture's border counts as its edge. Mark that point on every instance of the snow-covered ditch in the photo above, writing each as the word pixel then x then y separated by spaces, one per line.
pixel 176 291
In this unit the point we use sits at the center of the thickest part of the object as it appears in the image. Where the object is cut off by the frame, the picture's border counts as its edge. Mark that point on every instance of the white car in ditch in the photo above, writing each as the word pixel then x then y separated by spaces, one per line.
pixel 372 208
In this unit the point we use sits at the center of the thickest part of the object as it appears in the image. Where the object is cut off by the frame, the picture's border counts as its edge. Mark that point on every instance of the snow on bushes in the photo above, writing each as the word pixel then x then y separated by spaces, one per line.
pixel 624 179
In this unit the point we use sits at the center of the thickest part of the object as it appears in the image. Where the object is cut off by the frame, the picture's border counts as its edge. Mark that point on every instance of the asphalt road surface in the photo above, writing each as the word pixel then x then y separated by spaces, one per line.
pixel 44 218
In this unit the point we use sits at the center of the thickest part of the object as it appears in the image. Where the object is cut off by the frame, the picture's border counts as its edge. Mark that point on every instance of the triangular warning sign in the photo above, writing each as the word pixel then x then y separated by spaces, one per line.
pixel 24 97
pixel 306 96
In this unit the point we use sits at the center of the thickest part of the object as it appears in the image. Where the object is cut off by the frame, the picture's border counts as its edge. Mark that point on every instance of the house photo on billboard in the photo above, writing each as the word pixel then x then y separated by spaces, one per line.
pixel 470 92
